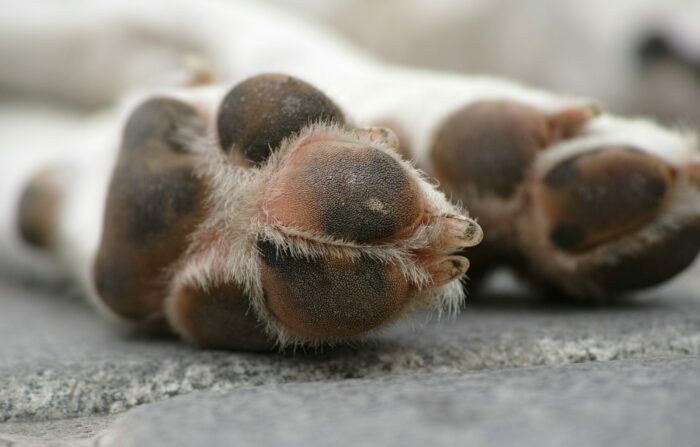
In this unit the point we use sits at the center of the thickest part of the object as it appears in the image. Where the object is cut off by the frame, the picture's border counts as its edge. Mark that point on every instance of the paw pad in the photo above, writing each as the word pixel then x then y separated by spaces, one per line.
pixel 604 194
pixel 653 264
pixel 327 297
pixel 218 317
pixel 257 114
pixel 38 209
pixel 331 238
pixel 154 201
pixel 488 146
pixel 346 190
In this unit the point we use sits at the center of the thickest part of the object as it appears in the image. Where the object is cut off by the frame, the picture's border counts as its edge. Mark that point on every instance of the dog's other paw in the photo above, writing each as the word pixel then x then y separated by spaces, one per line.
pixel 482 154
pixel 590 204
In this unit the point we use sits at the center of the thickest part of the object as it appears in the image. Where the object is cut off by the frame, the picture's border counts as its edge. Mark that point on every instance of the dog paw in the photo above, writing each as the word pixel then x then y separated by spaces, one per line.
pixel 335 234
pixel 482 154
pixel 591 204
pixel 615 210
pixel 292 226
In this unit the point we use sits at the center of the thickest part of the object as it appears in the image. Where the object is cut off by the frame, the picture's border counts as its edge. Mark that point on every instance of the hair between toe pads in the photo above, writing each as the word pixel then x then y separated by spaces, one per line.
pixel 260 112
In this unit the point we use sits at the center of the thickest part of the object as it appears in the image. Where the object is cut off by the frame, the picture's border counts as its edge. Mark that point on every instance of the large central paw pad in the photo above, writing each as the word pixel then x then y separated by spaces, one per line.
pixel 594 198
pixel 616 218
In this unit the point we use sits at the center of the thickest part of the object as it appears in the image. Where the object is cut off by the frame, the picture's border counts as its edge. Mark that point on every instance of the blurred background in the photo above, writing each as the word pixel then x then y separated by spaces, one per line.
pixel 635 56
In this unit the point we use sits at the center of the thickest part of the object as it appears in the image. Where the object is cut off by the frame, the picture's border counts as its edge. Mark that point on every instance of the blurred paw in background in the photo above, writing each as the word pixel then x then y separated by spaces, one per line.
pixel 636 56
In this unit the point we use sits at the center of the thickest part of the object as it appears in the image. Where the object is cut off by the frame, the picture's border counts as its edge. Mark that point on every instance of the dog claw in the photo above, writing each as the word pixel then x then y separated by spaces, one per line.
pixel 448 269
pixel 460 232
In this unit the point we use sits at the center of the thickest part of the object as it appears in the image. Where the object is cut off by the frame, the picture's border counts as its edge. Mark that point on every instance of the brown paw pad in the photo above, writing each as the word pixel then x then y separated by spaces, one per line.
pixel 694 173
pixel 154 202
pixel 488 146
pixel 257 114
pixel 329 297
pixel 38 209
pixel 650 265
pixel 346 190
pixel 219 317
pixel 602 195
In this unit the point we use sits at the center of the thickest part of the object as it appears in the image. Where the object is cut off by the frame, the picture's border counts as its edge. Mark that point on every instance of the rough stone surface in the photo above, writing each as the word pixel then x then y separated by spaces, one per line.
pixel 75 432
pixel 61 360
pixel 633 403
pixel 64 373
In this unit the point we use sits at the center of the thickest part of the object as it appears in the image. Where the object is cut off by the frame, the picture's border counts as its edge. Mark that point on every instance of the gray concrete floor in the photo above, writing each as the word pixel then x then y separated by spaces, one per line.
pixel 511 369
